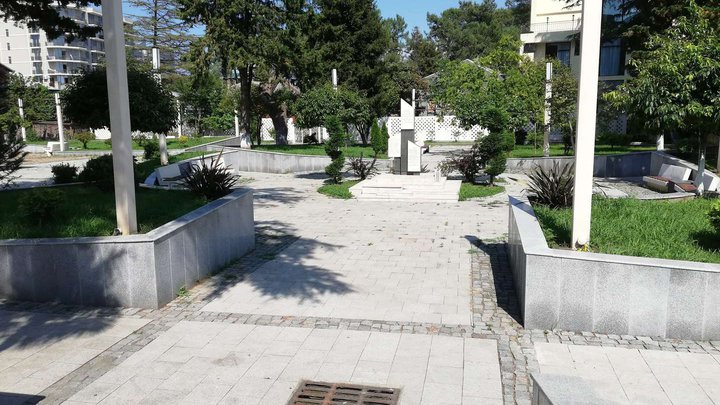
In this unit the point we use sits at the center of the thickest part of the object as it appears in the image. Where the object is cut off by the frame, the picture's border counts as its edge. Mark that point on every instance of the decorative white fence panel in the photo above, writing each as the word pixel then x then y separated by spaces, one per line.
pixel 438 129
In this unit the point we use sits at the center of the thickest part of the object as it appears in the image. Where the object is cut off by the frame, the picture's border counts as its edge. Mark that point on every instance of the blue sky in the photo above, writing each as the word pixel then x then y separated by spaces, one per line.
pixel 414 11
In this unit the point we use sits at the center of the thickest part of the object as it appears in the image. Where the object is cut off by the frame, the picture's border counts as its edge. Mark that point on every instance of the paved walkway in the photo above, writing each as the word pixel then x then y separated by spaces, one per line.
pixel 181 352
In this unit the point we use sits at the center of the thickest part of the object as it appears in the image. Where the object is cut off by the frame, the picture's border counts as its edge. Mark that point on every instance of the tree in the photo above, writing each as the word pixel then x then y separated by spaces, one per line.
pixel 46 15
pixel 520 10
pixel 318 105
pixel 423 53
pixel 471 29
pixel 333 149
pixel 152 108
pixel 200 95
pixel 158 25
pixel 378 140
pixel 38 103
pixel 678 81
pixel 12 156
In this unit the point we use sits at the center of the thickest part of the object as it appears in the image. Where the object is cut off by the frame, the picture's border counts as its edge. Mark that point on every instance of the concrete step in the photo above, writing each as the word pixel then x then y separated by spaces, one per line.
pixel 388 187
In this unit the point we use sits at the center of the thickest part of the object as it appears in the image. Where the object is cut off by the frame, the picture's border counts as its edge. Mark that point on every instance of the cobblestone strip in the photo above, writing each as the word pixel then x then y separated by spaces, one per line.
pixel 497 316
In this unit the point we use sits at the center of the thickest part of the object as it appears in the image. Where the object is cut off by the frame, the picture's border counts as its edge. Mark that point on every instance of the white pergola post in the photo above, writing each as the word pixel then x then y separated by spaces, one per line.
pixel 162 138
pixel 334 77
pixel 119 104
pixel 586 121
pixel 179 118
pixel 61 127
pixel 548 116
pixel 21 111
pixel 237 125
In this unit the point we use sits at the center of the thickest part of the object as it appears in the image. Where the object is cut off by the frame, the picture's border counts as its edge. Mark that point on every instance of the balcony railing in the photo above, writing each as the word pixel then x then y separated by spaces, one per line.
pixel 553 26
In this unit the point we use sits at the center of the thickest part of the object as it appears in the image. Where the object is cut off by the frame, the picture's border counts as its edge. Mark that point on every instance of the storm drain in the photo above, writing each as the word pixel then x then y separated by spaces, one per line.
pixel 322 393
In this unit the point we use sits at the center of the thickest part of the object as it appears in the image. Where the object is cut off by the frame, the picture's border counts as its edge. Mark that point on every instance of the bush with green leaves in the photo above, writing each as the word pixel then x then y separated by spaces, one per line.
pixel 495 167
pixel 151 150
pixel 310 139
pixel 553 187
pixel 714 215
pixel 363 168
pixel 379 138
pixel 64 173
pixel 467 162
pixel 211 181
pixel 99 171
pixel 39 205
pixel 84 137
pixel 333 149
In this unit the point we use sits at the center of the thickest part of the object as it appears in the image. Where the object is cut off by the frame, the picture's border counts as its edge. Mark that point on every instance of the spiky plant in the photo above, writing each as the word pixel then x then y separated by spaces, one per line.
pixel 211 181
pixel 553 187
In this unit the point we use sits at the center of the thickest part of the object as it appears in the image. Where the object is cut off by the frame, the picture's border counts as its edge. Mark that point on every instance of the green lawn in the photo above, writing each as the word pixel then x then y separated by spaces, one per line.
pixel 318 150
pixel 665 229
pixel 87 211
pixel 172 143
pixel 341 190
pixel 469 191
pixel 527 151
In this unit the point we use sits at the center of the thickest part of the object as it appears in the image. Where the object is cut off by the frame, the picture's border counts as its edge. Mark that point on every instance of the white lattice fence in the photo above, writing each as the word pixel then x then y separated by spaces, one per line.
pixel 431 128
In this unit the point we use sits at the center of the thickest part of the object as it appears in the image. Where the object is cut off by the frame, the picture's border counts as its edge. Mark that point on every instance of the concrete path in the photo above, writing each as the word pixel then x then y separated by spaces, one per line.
pixel 390 261
pixel 199 362
pixel 37 350
pixel 625 376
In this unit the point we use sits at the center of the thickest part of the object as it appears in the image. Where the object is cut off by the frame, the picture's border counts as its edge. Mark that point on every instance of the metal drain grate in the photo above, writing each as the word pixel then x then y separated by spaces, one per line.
pixel 322 393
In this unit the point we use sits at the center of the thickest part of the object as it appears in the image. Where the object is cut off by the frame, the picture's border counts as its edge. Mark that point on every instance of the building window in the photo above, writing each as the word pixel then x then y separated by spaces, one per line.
pixel 559 51
pixel 612 58
pixel 7 32
pixel 9 60
pixel 8 46
pixel 529 48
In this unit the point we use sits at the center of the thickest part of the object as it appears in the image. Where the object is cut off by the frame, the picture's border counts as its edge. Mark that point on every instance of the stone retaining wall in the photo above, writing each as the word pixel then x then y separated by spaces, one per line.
pixel 144 271
pixel 612 294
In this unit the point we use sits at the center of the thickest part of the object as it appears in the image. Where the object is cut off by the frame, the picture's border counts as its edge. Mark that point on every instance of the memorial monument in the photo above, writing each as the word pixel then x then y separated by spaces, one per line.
pixel 406 155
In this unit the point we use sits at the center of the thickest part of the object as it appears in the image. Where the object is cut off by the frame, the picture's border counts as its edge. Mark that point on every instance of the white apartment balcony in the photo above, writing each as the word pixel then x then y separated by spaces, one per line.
pixel 550 31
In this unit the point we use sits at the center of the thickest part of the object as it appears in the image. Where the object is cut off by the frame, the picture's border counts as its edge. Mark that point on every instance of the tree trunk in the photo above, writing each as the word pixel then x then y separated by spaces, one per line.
pixel 717 162
pixel 279 120
pixel 245 110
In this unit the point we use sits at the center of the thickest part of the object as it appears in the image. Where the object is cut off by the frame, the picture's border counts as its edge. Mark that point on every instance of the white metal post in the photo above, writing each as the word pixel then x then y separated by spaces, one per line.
pixel 21 111
pixel 179 118
pixel 586 120
pixel 334 79
pixel 548 116
pixel 61 127
pixel 413 98
pixel 660 142
pixel 119 104
pixel 162 138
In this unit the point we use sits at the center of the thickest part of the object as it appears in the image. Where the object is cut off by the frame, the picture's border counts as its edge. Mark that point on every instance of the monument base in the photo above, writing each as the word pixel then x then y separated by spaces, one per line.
pixel 424 187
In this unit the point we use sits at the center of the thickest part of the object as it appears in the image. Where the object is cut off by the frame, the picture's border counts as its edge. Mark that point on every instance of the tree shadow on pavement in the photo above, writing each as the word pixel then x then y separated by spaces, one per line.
pixel 279 268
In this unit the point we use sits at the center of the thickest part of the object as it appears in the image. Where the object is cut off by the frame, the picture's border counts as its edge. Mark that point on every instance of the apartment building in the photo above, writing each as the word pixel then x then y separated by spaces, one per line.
pixel 554 29
pixel 56 62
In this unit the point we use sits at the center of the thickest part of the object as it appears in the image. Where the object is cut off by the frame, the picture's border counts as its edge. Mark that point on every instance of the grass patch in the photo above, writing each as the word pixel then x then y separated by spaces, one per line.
pixel 318 150
pixel 87 211
pixel 341 190
pixel 528 151
pixel 469 191
pixel 677 230
pixel 171 143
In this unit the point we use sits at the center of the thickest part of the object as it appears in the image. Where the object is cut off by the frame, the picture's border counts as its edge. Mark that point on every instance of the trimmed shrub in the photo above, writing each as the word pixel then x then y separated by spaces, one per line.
pixel 183 140
pixel 151 150
pixel 210 181
pixel 84 137
pixel 310 139
pixel 39 205
pixel 64 173
pixel 378 141
pixel 495 167
pixel 332 148
pixel 553 187
pixel 99 171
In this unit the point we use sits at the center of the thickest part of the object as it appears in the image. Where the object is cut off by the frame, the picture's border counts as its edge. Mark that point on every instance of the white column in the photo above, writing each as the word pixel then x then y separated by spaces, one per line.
pixel 717 163
pixel 179 119
pixel 660 142
pixel 587 118
pixel 334 79
pixel 61 127
pixel 413 98
pixel 119 104
pixel 162 138
pixel 237 125
pixel 548 116
pixel 21 110
pixel 162 142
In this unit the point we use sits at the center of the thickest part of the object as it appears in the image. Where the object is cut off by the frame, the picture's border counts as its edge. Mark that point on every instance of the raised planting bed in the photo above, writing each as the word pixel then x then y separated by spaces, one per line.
pixel 617 293
pixel 145 270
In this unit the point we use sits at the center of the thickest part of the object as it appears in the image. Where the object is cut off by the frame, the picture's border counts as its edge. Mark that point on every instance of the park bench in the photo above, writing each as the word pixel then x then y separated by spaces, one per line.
pixel 670 179
pixel 53 147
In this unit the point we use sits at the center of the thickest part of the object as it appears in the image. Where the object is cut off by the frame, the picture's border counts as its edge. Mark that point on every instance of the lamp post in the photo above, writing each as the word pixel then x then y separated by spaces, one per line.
pixel 21 111
pixel 586 120
pixel 61 127
pixel 162 138
pixel 548 116
pixel 119 104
